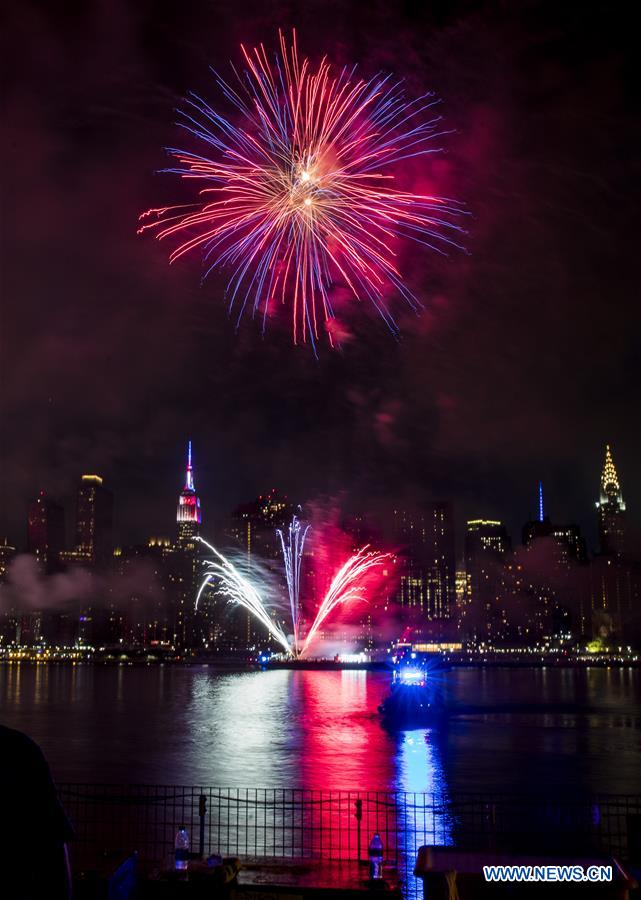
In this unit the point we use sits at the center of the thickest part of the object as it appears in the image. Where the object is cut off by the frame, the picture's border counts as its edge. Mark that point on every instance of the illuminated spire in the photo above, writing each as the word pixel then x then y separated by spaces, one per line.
pixel 611 510
pixel 609 477
pixel 189 480
pixel 541 501
pixel 610 487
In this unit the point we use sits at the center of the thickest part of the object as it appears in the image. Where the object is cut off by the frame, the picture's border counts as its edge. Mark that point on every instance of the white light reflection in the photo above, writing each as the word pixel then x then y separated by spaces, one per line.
pixel 244 729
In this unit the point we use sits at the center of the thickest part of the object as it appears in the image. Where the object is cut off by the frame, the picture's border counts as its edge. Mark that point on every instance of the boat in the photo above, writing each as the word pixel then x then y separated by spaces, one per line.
pixel 411 701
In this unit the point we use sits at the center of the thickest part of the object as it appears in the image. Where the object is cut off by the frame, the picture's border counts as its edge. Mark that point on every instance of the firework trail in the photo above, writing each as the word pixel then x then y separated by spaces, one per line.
pixel 346 585
pixel 292 556
pixel 297 192
pixel 238 589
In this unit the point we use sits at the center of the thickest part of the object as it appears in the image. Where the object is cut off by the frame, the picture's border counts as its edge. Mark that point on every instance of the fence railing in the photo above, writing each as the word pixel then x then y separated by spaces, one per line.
pixel 309 824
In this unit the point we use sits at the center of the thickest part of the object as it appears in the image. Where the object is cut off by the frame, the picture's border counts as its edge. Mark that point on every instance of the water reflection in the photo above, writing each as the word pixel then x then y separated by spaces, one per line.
pixel 343 746
pixel 120 696
pixel 244 728
pixel 11 684
pixel 423 820
pixel 505 730
pixel 41 683
pixel 419 762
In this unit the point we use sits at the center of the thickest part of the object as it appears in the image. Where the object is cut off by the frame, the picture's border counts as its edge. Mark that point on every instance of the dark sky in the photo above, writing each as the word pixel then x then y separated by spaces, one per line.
pixel 525 362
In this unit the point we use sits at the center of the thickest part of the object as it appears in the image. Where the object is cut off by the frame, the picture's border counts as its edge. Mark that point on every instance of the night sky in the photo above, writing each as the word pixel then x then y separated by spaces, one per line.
pixel 524 363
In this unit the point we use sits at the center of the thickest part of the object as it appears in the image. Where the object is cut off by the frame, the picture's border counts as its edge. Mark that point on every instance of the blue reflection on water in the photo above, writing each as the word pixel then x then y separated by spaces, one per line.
pixel 420 767
pixel 423 810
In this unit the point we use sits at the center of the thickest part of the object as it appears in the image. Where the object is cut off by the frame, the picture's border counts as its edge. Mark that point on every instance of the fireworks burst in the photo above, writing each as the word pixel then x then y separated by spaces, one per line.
pixel 292 556
pixel 346 585
pixel 238 589
pixel 297 190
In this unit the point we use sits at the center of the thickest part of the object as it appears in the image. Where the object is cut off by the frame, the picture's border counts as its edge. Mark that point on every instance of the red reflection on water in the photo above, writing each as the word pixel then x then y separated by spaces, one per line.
pixel 344 746
pixel 344 750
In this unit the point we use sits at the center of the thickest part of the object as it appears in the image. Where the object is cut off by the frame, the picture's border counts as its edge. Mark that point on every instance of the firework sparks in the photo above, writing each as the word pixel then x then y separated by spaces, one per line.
pixel 292 556
pixel 238 589
pixel 297 190
pixel 346 585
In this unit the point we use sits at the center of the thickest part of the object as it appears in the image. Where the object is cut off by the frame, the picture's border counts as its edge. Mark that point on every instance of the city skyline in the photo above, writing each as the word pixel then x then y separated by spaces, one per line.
pixel 547 588
pixel 217 517
pixel 189 517
pixel 569 493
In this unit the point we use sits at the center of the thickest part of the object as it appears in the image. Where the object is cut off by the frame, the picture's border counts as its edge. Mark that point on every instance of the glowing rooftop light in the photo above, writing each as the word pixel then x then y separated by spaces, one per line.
pixel 541 501
pixel 95 479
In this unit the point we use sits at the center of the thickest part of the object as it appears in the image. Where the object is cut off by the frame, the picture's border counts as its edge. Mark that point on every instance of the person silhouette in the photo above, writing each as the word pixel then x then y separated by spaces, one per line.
pixel 34 829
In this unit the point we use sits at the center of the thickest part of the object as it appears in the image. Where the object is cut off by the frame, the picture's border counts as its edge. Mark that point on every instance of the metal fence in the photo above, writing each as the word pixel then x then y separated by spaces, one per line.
pixel 308 824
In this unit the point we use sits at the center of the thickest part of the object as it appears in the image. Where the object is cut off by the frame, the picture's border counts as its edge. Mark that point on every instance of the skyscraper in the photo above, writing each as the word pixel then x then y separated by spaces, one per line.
pixel 183 560
pixel 567 539
pixel 615 576
pixel 439 540
pixel 409 535
pixel 556 584
pixel 94 521
pixel 46 531
pixel 188 515
pixel 611 510
pixel 486 547
pixel 428 561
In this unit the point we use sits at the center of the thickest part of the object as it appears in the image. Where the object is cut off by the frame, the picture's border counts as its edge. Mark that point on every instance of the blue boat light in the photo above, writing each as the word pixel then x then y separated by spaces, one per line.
pixel 412 676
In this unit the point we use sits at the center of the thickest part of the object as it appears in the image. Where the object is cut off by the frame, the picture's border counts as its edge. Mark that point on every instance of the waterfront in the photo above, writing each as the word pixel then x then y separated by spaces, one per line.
pixel 538 729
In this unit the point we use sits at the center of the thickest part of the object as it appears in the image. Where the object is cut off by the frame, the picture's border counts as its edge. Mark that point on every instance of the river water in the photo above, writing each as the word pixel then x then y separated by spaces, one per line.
pixel 507 730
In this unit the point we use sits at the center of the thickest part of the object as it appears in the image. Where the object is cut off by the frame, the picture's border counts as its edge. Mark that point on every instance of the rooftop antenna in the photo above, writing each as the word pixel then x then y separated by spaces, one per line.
pixel 540 501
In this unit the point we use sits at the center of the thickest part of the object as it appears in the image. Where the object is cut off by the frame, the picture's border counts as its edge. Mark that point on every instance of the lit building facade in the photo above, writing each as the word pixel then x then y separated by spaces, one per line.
pixel 441 549
pixel 427 557
pixel 409 535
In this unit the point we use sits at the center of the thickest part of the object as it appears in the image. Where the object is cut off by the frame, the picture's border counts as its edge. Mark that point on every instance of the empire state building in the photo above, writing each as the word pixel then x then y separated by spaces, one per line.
pixel 188 515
